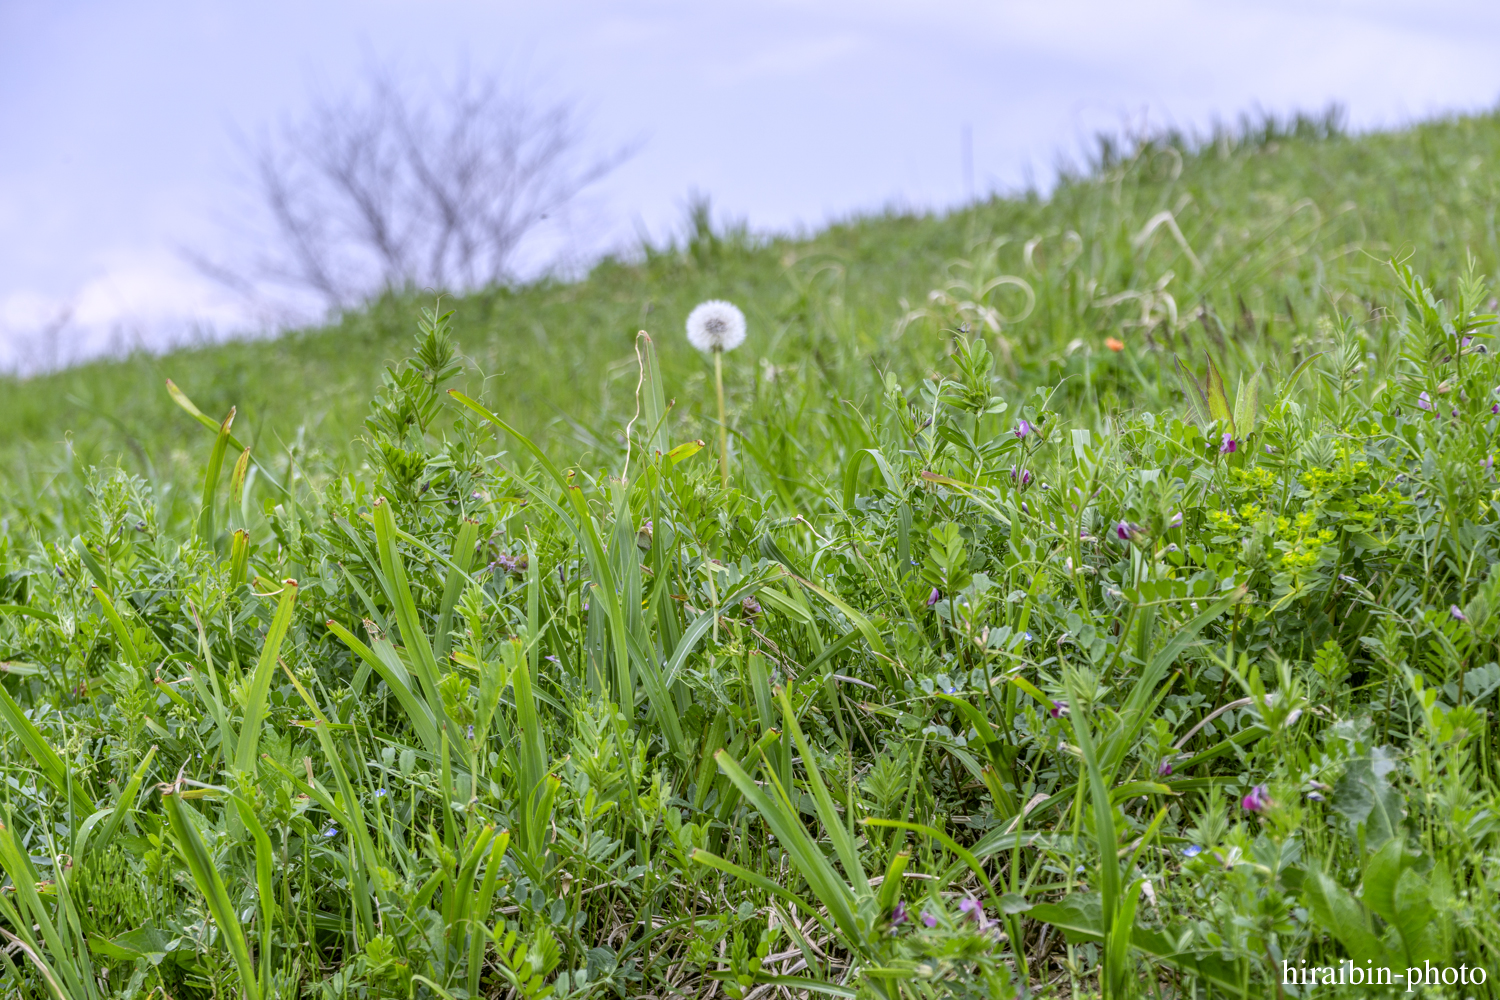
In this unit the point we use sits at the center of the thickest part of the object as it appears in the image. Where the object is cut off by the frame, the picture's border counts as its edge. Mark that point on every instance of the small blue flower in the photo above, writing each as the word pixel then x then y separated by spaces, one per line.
pixel 332 831
pixel 379 792
pixel 1191 851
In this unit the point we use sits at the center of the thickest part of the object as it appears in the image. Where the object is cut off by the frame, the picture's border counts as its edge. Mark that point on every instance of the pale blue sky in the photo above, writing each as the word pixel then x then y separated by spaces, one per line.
pixel 116 119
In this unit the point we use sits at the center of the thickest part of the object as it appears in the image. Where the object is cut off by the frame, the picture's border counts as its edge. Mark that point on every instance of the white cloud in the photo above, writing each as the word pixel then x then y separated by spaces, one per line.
pixel 137 298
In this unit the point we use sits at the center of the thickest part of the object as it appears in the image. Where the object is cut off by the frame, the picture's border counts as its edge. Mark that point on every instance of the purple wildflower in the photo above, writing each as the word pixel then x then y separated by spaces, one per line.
pixel 972 910
pixel 1023 428
pixel 1258 800
pixel 1165 770
pixel 928 920
pixel 470 733
pixel 1227 445
pixel 1020 475
pixel 1126 531
pixel 1176 521
pixel 509 564
pixel 1457 613
pixel 934 597
pixel 1058 709
pixel 1424 402
pixel 899 914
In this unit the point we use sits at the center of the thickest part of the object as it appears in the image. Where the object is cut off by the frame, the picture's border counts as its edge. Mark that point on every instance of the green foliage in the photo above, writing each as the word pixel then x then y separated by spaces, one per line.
pixel 470 712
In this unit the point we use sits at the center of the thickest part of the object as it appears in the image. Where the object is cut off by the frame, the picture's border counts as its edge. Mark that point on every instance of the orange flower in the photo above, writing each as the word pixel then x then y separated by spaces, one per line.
pixel 1114 345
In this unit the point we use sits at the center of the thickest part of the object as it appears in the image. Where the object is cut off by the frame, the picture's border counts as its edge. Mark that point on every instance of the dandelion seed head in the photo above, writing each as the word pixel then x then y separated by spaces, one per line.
pixel 716 325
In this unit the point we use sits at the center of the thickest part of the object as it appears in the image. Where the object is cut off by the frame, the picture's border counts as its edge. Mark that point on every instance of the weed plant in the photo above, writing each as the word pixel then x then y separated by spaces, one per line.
pixel 980 683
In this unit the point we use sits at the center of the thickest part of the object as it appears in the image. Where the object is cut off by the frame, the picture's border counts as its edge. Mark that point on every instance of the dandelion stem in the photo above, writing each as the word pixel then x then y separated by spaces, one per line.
pixel 723 432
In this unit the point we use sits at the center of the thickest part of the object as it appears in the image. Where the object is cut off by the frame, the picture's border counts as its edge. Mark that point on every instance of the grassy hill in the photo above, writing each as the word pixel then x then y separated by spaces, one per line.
pixel 1266 232
pixel 1002 658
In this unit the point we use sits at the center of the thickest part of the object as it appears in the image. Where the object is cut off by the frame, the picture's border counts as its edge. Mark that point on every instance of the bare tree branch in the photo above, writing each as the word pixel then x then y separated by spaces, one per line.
pixel 388 191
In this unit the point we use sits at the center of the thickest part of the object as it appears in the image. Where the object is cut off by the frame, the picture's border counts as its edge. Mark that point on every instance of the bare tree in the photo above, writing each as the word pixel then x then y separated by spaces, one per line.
pixel 389 190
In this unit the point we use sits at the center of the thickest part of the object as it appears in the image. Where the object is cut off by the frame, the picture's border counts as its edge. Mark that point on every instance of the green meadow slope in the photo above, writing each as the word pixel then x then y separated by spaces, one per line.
pixel 998 659
pixel 1241 245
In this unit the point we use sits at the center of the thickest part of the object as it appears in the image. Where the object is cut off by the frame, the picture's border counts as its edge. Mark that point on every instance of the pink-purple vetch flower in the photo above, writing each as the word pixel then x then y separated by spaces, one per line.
pixel 1023 428
pixel 1164 770
pixel 928 920
pixel 899 914
pixel 1227 444
pixel 1020 475
pixel 1176 521
pixel 1258 799
pixel 1126 531
pixel 1457 613
pixel 1424 402
pixel 1058 709
pixel 972 910
pixel 934 597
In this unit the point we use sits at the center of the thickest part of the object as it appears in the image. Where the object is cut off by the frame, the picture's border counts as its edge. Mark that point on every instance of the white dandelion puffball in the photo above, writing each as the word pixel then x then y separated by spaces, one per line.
pixel 716 326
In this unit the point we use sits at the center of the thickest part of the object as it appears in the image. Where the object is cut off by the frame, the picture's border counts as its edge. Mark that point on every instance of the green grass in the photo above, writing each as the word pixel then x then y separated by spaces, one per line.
pixel 1286 229
pixel 1005 661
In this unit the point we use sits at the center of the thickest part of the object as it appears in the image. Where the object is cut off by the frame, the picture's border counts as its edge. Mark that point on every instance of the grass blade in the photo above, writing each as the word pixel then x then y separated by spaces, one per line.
pixel 260 680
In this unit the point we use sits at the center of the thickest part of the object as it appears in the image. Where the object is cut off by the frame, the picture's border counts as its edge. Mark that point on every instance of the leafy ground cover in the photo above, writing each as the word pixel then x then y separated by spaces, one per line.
pixel 1005 663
